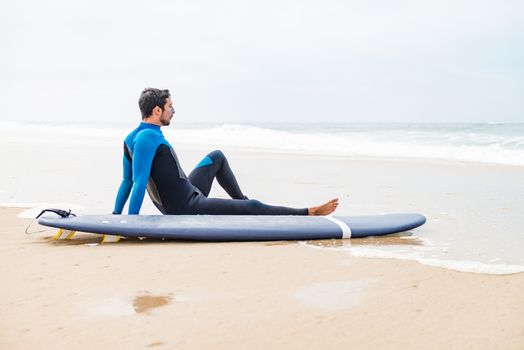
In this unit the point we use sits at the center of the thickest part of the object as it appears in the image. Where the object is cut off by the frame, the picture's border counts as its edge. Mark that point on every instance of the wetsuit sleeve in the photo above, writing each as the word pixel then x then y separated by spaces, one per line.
pixel 125 187
pixel 143 154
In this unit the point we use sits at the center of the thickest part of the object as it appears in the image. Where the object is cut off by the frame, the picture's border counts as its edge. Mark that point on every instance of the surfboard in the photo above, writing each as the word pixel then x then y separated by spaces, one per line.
pixel 227 228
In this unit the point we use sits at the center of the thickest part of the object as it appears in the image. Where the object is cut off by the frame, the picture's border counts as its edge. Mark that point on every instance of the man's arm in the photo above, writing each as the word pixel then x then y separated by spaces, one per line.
pixel 125 187
pixel 143 154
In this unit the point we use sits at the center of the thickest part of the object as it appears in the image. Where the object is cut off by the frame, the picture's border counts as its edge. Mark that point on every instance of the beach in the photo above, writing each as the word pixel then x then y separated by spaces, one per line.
pixel 172 295
pixel 454 283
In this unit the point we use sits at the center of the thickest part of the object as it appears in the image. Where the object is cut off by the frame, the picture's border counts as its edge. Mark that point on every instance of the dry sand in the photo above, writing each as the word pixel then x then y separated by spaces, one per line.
pixel 282 295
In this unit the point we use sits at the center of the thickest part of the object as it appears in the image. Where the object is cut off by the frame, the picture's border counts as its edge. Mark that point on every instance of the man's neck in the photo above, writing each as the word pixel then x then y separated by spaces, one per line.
pixel 151 121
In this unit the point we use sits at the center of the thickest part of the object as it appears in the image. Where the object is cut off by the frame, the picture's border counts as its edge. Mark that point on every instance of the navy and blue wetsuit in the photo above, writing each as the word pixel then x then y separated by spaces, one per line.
pixel 151 164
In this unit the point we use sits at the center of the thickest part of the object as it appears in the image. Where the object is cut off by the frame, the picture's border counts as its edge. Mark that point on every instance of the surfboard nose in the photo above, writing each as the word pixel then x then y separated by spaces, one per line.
pixel 419 219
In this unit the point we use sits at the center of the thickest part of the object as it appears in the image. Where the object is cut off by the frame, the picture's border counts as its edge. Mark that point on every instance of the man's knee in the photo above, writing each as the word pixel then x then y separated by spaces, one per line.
pixel 217 156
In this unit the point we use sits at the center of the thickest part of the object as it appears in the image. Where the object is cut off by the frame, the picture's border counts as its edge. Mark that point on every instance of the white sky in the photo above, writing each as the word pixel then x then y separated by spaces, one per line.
pixel 264 61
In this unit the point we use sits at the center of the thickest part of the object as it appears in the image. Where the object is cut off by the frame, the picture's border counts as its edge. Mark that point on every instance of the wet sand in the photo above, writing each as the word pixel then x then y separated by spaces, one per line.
pixel 136 294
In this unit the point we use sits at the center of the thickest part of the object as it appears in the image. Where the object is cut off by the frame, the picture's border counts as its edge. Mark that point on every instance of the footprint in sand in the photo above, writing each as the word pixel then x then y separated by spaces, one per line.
pixel 144 303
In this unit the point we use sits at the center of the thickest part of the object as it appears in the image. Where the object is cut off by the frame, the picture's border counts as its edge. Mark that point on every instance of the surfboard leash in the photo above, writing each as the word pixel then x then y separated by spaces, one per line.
pixel 59 212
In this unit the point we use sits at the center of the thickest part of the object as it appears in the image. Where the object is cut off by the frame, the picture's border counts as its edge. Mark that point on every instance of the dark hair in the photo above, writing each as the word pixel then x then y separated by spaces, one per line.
pixel 150 98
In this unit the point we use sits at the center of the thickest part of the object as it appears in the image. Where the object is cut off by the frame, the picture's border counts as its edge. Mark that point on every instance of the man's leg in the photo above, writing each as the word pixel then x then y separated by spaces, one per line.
pixel 216 165
pixel 219 206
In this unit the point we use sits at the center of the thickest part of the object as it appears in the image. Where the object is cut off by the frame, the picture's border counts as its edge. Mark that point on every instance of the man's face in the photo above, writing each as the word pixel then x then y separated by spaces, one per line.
pixel 168 113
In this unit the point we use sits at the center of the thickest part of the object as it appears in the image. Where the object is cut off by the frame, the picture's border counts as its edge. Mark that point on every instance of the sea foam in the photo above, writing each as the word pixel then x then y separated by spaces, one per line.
pixel 401 141
pixel 487 143
pixel 457 265
pixel 33 209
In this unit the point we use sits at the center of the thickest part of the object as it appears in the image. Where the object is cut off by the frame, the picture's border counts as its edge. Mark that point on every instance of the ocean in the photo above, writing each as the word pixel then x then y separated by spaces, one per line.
pixel 496 143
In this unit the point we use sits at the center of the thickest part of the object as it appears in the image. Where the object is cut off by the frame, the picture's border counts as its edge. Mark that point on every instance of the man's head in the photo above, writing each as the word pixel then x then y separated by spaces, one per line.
pixel 156 106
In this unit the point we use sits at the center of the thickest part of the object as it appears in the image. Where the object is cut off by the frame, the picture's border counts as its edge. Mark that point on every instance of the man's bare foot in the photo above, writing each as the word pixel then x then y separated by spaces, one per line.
pixel 324 209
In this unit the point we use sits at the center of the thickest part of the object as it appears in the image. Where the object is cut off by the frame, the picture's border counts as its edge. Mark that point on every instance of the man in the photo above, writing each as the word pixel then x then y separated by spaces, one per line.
pixel 151 163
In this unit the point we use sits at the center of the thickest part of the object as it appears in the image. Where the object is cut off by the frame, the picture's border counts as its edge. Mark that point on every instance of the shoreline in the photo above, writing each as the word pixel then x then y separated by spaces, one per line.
pixel 367 247
pixel 454 232
pixel 141 294
pixel 473 209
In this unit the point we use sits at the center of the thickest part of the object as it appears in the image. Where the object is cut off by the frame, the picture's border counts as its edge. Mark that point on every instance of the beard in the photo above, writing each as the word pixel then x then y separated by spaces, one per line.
pixel 166 121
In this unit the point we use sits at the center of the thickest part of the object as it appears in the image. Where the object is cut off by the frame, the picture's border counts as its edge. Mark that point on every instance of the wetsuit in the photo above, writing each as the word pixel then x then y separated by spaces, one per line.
pixel 151 163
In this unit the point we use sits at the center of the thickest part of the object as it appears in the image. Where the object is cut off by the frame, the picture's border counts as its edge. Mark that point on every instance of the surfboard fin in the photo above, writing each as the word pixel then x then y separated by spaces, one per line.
pixel 111 238
pixel 64 234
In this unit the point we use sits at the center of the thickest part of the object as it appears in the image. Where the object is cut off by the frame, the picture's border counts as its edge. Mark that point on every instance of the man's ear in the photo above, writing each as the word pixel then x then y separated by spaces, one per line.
pixel 158 110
